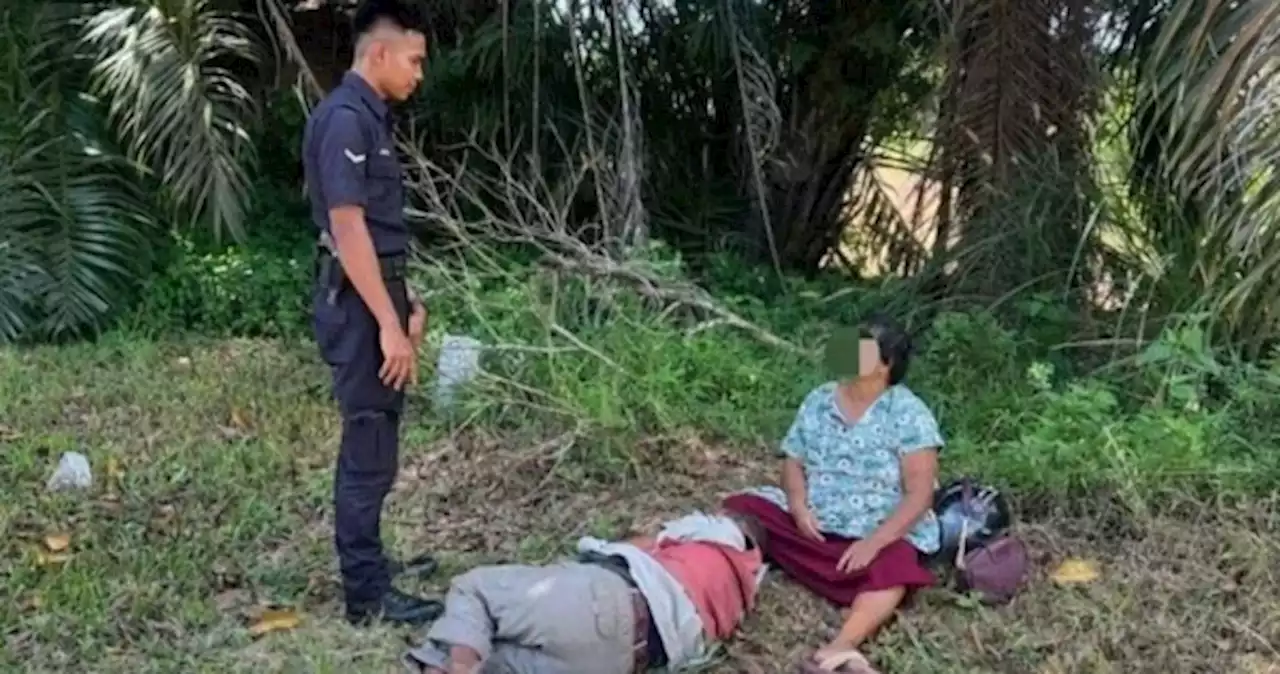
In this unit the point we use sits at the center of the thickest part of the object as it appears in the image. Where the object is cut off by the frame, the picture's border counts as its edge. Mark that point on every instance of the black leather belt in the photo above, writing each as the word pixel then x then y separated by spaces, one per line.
pixel 649 651
pixel 393 267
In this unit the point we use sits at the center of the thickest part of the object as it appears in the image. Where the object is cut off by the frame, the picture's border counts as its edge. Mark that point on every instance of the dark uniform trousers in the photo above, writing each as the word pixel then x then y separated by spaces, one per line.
pixel 369 457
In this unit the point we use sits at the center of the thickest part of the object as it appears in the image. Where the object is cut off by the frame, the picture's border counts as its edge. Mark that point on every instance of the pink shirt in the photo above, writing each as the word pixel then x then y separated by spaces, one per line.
pixel 720 581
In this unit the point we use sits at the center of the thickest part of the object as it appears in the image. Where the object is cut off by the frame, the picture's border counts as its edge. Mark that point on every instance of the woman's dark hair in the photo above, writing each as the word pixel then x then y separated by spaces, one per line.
pixel 894 344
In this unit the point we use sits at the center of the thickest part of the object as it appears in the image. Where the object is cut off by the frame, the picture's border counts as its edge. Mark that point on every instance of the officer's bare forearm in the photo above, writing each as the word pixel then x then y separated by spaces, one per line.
pixel 360 263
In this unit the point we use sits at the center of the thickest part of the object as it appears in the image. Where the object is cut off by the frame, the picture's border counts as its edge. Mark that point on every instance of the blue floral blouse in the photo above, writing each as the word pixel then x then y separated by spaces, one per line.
pixel 854 472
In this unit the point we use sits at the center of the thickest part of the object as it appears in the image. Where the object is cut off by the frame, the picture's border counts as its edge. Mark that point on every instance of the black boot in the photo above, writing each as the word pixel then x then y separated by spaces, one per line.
pixel 396 607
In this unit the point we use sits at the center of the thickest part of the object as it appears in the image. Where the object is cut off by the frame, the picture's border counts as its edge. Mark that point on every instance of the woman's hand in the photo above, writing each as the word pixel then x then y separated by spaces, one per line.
pixel 858 556
pixel 806 522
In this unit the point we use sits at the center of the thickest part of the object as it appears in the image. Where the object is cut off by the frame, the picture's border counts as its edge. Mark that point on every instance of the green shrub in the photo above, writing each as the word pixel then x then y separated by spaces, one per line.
pixel 574 353
pixel 217 289
pixel 236 291
pixel 570 353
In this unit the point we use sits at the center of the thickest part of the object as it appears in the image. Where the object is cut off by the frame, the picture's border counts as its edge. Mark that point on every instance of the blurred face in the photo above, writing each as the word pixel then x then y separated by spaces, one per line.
pixel 869 363
pixel 396 58
pixel 854 354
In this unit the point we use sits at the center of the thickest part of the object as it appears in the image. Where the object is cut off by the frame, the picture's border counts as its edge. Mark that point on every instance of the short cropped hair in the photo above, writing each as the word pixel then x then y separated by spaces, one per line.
pixel 402 15
pixel 894 344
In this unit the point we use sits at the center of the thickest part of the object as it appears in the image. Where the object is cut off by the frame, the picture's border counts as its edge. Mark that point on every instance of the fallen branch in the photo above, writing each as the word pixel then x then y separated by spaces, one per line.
pixel 670 294
pixel 525 211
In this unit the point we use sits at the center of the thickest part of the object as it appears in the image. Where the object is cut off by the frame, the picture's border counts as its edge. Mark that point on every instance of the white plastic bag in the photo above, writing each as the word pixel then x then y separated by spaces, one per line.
pixel 458 364
pixel 73 473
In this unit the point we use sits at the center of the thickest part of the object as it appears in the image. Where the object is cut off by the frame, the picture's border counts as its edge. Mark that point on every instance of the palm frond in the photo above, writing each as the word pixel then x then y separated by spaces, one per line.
pixel 1206 128
pixel 21 274
pixel 1209 79
pixel 72 213
pixel 165 69
pixel 1017 77
pixel 91 234
pixel 883 236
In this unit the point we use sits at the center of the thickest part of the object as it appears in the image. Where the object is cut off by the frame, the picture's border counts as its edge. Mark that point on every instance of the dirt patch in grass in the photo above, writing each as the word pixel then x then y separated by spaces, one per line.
pixel 220 507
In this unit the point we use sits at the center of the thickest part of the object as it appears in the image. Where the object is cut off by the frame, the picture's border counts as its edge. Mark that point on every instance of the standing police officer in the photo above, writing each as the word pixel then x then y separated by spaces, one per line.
pixel 367 323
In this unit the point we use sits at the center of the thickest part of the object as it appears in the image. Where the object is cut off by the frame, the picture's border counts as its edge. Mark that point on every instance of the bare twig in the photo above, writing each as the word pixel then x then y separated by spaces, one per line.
pixel 531 216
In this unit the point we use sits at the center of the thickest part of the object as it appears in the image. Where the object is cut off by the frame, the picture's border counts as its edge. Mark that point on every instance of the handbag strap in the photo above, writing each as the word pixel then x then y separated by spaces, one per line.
pixel 966 501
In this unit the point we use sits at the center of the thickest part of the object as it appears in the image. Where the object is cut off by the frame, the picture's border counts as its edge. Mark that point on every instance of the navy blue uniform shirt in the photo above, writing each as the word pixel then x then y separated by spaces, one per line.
pixel 349 159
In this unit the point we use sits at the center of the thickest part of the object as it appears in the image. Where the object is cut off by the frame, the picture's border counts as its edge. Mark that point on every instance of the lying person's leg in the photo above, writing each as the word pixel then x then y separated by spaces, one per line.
pixel 525 619
pixel 463 636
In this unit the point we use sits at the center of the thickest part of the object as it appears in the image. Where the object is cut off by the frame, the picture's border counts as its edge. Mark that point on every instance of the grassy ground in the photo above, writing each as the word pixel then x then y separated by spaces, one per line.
pixel 211 503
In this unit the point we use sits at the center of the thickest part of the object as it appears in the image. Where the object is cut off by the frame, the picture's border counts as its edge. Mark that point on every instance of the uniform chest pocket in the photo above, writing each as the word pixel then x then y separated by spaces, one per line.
pixel 384 185
pixel 383 166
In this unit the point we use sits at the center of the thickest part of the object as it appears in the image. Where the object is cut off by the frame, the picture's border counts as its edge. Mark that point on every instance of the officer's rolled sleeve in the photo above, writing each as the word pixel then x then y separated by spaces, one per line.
pixel 344 159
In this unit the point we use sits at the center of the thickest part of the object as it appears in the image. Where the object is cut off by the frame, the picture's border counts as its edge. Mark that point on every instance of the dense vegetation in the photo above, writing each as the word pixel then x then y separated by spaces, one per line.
pixel 1099 206
pixel 1116 153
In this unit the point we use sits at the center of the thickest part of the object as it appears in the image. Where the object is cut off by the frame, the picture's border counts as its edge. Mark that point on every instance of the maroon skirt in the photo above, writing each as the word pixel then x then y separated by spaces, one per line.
pixel 813 563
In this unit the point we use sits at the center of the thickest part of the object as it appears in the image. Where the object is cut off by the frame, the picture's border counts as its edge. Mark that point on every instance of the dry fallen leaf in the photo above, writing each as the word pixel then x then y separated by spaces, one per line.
pixel 276 620
pixel 1075 571
pixel 57 542
pixel 238 418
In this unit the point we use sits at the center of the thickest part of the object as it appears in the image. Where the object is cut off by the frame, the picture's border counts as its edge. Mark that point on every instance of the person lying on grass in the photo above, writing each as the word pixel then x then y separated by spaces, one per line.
pixel 618 608
pixel 853 515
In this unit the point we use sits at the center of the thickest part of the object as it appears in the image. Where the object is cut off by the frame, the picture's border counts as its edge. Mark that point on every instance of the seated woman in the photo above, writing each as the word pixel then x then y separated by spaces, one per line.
pixel 853 515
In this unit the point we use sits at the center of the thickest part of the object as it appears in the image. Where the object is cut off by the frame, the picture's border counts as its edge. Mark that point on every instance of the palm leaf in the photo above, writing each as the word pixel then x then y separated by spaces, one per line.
pixel 1207 134
pixel 21 275
pixel 91 233
pixel 71 213
pixel 164 67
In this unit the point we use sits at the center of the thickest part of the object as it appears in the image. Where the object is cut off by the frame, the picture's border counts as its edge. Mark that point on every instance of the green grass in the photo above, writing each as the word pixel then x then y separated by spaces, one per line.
pixel 213 461
pixel 220 508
